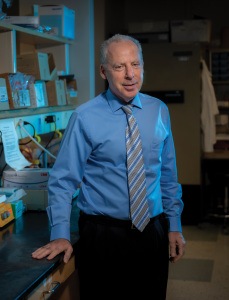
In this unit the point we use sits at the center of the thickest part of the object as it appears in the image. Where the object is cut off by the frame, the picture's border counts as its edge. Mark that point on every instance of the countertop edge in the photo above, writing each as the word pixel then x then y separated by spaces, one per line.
pixel 59 260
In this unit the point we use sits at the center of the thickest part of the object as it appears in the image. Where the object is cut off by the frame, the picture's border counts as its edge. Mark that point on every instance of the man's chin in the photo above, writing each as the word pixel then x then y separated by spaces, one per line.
pixel 128 95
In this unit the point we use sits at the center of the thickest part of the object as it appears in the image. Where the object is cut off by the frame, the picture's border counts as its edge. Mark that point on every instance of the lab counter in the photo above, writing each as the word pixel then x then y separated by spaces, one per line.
pixel 20 274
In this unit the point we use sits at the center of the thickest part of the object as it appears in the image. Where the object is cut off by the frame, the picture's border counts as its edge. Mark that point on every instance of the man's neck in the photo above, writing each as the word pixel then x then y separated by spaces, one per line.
pixel 126 101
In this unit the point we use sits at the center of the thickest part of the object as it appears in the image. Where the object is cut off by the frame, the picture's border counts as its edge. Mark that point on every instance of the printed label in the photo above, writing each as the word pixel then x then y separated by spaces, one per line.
pixel 24 98
pixel 3 94
pixel 73 94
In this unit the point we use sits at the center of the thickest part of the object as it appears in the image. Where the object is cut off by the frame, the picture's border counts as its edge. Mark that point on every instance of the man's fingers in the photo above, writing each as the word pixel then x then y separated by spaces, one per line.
pixel 172 249
pixel 54 253
pixel 68 254
pixel 179 254
pixel 52 249
pixel 177 246
pixel 42 252
pixel 181 250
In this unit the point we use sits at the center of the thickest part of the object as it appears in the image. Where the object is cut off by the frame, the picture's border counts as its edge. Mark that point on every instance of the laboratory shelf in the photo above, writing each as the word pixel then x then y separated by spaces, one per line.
pixel 31 37
pixel 15 113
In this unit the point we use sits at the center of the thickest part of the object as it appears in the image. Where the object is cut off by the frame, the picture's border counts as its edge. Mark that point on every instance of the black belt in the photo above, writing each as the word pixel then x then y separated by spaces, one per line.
pixel 108 221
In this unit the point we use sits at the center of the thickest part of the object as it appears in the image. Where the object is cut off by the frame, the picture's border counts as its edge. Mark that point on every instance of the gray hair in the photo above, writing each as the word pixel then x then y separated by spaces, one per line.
pixel 117 38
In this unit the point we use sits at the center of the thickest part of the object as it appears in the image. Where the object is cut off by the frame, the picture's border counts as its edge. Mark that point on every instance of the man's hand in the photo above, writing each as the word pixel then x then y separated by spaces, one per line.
pixel 54 248
pixel 177 245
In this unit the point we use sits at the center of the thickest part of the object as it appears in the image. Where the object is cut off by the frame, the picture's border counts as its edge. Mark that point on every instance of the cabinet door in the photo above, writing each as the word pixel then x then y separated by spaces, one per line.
pixel 173 67
pixel 54 281
pixel 69 289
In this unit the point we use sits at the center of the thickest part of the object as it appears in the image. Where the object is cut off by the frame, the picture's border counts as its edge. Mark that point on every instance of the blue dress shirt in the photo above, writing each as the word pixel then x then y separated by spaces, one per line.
pixel 93 153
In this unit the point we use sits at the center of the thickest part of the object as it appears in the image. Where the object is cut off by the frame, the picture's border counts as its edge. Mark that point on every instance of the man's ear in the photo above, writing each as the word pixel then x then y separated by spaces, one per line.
pixel 103 72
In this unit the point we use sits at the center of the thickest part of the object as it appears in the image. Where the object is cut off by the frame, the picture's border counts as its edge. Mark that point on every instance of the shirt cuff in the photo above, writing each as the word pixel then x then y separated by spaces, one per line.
pixel 174 224
pixel 60 232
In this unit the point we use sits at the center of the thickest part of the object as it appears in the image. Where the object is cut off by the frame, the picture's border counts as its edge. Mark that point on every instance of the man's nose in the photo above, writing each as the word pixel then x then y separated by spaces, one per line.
pixel 129 72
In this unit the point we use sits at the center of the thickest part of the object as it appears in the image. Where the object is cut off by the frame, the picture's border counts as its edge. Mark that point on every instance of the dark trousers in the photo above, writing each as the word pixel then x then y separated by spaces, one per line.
pixel 122 263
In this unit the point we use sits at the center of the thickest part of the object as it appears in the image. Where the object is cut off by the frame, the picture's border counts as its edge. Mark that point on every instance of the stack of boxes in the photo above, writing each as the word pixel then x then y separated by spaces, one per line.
pixel 174 31
pixel 47 90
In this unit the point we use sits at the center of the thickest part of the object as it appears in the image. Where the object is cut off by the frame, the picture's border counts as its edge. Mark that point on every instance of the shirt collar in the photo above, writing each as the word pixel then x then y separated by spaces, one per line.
pixel 116 103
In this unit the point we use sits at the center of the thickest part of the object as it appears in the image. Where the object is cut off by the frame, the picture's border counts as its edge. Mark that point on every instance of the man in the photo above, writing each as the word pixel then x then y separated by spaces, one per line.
pixel 119 146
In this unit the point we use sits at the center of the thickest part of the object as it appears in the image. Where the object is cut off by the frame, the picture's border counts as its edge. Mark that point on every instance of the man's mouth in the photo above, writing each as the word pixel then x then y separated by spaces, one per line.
pixel 129 86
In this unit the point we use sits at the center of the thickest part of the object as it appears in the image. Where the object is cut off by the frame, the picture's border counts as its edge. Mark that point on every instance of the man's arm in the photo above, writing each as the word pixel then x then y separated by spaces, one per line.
pixel 65 178
pixel 171 194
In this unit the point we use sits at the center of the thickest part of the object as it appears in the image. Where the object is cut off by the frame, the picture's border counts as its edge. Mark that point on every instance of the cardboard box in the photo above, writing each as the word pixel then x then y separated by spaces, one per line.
pixel 36 199
pixel 4 102
pixel 56 93
pixel 38 94
pixel 52 67
pixel 60 18
pixel 27 178
pixel 25 21
pixel 148 26
pixel 17 207
pixel 35 64
pixel 191 31
pixel 71 96
pixel 8 88
pixel 150 38
pixel 17 99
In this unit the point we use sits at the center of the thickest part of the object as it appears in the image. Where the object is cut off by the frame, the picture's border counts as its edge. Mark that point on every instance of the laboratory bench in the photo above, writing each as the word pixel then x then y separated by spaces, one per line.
pixel 21 276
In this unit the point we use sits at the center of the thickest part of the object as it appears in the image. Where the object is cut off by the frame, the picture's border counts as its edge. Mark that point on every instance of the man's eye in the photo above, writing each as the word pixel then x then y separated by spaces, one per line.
pixel 118 67
pixel 137 65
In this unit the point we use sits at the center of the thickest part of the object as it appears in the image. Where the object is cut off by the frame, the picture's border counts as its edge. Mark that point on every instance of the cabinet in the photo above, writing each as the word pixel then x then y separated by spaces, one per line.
pixel 62 284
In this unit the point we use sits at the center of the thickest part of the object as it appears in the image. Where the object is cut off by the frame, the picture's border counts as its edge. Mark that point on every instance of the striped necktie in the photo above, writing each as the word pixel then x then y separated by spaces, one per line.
pixel 139 211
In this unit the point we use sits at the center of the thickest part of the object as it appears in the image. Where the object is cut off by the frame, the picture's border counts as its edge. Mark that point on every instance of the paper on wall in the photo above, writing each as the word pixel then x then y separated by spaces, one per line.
pixel 13 156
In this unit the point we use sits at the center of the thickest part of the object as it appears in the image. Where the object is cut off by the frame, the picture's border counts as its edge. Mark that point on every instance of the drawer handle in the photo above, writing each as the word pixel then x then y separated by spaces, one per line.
pixel 57 284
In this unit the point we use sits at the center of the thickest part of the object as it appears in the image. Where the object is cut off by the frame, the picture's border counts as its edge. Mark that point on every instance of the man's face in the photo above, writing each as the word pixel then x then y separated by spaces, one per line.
pixel 123 70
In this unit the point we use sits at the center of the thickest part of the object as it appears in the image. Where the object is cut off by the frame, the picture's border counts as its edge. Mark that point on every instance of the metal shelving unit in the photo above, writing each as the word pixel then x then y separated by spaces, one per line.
pixel 15 35
pixel 31 37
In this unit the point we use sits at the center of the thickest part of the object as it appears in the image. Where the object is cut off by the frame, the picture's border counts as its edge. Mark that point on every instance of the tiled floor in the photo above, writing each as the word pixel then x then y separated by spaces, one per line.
pixel 203 273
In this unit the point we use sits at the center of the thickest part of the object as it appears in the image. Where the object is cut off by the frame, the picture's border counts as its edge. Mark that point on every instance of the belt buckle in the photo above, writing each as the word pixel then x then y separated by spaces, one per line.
pixel 133 226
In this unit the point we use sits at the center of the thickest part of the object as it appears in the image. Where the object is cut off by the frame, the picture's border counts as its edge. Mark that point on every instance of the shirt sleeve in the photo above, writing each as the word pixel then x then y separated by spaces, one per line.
pixel 171 189
pixel 66 175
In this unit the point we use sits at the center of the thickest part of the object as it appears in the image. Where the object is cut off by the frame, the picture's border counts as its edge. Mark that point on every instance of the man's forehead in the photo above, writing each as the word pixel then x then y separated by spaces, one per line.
pixel 118 48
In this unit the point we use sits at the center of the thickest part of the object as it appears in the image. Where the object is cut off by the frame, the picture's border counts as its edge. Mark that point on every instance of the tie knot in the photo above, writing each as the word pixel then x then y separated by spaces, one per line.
pixel 127 109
